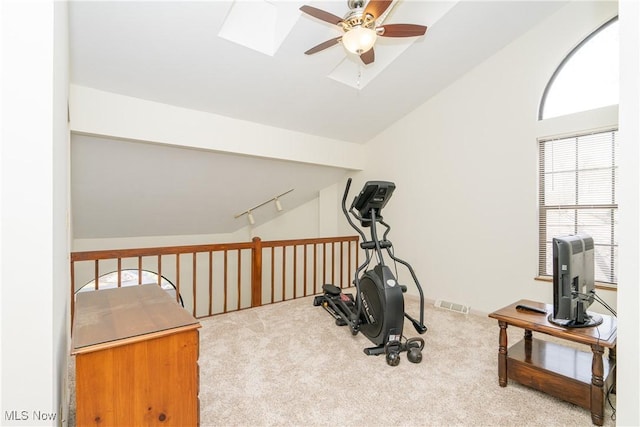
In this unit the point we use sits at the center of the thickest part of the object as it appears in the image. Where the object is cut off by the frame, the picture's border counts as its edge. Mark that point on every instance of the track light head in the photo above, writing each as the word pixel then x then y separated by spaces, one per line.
pixel 275 199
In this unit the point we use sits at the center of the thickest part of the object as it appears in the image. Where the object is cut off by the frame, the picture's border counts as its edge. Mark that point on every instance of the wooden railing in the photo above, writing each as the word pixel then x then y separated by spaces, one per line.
pixel 218 278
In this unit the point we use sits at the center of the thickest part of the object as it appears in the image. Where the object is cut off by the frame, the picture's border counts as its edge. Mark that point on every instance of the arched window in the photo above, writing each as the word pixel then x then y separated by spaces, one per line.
pixel 578 168
pixel 587 78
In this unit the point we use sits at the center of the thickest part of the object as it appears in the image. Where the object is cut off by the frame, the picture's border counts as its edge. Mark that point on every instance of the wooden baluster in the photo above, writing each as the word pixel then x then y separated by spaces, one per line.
pixel 119 272
pixel 210 283
pixel 239 274
pixel 324 263
pixel 284 269
pixel 333 262
pixel 193 274
pixel 350 265
pixel 95 275
pixel 177 274
pixel 304 270
pixel 256 273
pixel 273 277
pixel 295 271
pixel 341 264
pixel 315 268
pixel 225 281
pixel 139 270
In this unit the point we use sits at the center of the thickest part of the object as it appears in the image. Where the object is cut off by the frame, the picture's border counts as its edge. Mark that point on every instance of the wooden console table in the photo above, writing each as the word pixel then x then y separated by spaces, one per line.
pixel 565 372
pixel 136 355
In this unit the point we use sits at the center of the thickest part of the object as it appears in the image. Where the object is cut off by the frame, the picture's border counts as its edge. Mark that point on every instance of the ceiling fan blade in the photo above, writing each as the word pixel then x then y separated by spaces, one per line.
pixel 323 46
pixel 376 8
pixel 321 14
pixel 367 57
pixel 401 30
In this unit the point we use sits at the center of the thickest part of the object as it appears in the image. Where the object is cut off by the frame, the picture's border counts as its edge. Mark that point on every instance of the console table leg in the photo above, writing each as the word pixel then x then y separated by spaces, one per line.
pixel 502 355
pixel 597 385
pixel 528 341
pixel 612 361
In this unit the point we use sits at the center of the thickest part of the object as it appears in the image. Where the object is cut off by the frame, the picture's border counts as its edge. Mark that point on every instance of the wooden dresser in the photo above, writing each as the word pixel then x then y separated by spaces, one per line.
pixel 136 355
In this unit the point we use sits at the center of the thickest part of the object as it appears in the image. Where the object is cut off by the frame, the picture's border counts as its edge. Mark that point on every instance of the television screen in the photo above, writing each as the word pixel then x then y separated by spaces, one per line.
pixel 573 281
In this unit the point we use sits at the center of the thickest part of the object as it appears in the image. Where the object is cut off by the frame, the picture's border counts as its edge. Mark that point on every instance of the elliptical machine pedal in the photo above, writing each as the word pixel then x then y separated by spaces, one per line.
pixel 332 290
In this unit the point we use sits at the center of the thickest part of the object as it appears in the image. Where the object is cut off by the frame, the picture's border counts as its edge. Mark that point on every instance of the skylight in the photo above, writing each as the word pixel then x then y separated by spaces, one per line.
pixel 260 25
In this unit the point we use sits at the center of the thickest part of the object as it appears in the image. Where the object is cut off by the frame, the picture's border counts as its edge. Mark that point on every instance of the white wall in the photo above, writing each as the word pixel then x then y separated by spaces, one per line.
pixel 629 294
pixel 34 203
pixel 96 112
pixel 299 223
pixel 61 209
pixel 317 218
pixel 465 163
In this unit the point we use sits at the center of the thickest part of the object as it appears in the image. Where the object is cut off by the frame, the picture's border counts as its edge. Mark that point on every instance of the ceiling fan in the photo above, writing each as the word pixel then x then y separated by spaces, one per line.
pixel 362 25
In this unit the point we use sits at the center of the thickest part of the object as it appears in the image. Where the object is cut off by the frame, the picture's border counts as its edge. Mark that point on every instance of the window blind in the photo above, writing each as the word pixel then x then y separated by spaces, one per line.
pixel 577 194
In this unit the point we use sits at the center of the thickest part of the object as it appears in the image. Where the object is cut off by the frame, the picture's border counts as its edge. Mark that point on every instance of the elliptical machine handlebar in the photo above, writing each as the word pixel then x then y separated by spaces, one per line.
pixel 346 212
pixel 420 327
pixel 355 319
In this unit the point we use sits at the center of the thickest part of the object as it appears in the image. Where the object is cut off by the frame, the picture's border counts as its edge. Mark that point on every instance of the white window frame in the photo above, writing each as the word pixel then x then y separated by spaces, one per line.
pixel 571 125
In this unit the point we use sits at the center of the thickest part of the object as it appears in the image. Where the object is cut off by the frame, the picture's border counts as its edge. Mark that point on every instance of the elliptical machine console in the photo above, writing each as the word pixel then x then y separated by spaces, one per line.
pixel 378 307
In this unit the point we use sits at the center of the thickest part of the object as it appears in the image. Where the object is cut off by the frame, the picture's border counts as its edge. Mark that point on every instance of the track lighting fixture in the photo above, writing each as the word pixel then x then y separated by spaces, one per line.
pixel 276 201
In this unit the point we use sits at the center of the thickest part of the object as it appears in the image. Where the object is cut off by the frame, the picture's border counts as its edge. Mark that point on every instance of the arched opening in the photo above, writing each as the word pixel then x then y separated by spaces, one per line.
pixel 588 77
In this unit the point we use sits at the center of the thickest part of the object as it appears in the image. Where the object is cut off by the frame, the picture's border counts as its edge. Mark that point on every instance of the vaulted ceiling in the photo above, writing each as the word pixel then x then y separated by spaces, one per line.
pixel 211 56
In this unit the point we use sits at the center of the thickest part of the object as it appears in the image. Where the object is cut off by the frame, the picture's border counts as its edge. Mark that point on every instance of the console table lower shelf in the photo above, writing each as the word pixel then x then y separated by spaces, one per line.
pixel 564 371
pixel 557 370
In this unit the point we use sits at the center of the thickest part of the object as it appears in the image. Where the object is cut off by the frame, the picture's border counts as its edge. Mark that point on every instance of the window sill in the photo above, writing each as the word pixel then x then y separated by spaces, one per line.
pixel 599 285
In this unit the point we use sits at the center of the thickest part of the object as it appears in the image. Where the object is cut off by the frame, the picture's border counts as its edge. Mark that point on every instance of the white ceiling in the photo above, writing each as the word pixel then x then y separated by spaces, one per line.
pixel 171 52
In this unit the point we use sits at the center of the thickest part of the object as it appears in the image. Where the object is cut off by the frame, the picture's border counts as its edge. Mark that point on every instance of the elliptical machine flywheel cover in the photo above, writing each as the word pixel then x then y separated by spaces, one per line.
pixel 382 305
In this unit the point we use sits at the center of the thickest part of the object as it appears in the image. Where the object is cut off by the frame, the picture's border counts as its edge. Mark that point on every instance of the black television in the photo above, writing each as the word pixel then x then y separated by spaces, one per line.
pixel 573 282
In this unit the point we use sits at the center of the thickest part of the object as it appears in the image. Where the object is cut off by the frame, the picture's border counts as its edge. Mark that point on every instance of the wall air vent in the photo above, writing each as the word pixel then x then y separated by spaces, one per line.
pixel 452 306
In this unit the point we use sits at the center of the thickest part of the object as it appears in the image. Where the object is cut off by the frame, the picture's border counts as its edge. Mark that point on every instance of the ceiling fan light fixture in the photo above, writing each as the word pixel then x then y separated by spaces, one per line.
pixel 359 40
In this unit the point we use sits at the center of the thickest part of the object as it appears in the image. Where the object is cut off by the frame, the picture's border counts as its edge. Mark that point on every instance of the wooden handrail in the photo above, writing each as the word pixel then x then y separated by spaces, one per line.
pixel 220 280
pixel 163 250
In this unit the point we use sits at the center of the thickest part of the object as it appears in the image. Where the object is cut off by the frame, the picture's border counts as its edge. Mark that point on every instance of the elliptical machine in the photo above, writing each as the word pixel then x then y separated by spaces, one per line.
pixel 378 308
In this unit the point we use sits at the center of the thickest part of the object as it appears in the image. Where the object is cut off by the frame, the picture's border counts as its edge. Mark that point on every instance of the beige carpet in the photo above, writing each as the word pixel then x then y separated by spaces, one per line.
pixel 288 364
